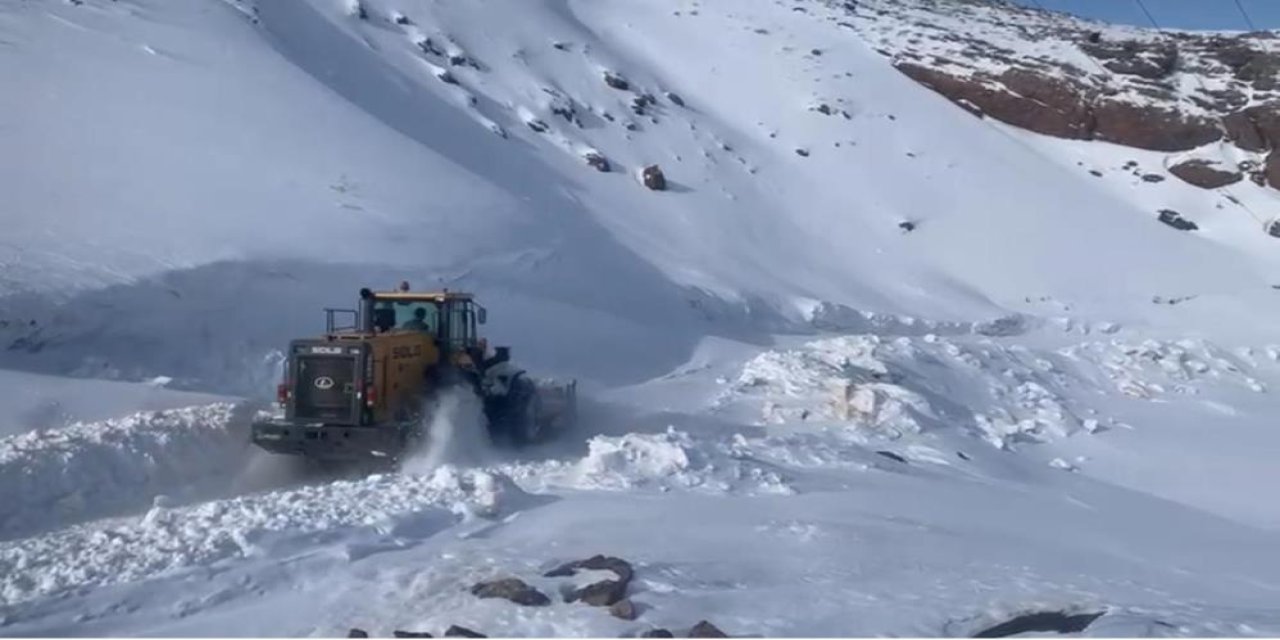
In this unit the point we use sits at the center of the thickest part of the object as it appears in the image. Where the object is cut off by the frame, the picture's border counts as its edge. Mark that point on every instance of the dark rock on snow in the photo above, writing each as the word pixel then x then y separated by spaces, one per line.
pixel 1175 220
pixel 595 563
pixel 1042 621
pixel 705 629
pixel 1272 169
pixel 653 178
pixel 600 594
pixel 616 81
pixel 657 633
pixel 1202 173
pixel 598 161
pixel 513 589
pixel 454 631
pixel 624 609
pixel 357 633
pixel 411 634
pixel 603 593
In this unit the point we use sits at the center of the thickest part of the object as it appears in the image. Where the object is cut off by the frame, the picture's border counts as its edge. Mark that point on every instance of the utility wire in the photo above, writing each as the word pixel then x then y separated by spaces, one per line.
pixel 1142 5
pixel 1248 20
pixel 1225 189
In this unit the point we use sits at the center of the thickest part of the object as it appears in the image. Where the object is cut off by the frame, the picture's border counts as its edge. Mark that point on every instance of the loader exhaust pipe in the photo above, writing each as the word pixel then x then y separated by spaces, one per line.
pixel 366 310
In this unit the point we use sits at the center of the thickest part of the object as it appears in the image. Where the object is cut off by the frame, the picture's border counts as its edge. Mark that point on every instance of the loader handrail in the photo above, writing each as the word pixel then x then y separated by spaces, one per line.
pixel 331 320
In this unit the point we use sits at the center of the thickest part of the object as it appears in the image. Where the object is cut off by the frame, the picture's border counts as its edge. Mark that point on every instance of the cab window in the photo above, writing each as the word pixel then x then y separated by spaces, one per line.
pixel 460 328
pixel 422 316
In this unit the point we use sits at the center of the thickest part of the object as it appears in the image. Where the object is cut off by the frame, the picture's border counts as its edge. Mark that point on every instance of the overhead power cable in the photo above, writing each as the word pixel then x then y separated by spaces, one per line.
pixel 1226 189
pixel 1245 14
pixel 1142 5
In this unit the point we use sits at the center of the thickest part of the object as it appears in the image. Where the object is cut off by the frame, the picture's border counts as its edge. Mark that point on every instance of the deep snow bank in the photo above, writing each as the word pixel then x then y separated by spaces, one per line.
pixel 85 470
pixel 395 509
pixel 31 401
pixel 1003 392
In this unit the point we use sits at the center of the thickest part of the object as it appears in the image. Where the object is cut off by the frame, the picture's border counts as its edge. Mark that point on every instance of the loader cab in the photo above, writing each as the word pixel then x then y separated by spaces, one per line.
pixel 450 317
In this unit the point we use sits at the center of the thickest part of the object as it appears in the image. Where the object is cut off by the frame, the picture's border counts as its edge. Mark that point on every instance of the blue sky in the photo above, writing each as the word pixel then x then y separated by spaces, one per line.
pixel 1177 14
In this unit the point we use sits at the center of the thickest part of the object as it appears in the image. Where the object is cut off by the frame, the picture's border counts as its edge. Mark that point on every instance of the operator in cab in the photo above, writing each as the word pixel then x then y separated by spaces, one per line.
pixel 418 322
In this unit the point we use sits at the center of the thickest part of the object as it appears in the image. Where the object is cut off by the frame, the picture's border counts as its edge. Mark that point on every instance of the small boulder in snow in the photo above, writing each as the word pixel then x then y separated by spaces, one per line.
pixel 357 633
pixel 675 99
pixel 616 81
pixel 598 161
pixel 444 76
pixel 1175 220
pixel 624 609
pixel 653 178
pixel 605 593
pixel 513 589
pixel 595 563
pixel 657 633
pixel 411 634
pixel 454 631
pixel 705 629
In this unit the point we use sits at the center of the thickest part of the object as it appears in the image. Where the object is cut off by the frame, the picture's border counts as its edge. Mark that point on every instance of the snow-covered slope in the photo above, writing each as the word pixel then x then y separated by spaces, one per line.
pixel 291 157
pixel 803 416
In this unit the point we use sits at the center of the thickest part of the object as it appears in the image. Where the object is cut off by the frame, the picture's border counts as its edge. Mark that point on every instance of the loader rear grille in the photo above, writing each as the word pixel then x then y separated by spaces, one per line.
pixel 326 388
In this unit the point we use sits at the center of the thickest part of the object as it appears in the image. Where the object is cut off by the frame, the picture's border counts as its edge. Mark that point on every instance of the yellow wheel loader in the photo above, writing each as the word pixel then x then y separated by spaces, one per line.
pixel 363 390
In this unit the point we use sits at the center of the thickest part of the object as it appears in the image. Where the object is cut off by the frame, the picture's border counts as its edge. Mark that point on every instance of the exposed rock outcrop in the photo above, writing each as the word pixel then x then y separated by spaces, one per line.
pixel 1154 90
pixel 1057 107
pixel 1150 60
pixel 1151 128
pixel 1203 174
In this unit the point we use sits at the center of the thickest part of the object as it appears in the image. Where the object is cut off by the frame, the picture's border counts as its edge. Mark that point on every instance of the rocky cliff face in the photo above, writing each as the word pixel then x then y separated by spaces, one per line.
pixel 1055 74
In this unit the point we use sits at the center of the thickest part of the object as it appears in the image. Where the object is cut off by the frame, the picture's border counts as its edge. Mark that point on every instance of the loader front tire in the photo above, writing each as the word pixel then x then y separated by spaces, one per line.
pixel 526 429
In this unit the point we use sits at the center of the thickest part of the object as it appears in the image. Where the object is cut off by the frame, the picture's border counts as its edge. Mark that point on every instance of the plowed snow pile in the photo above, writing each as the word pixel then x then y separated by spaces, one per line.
pixel 1006 393
pixel 61 476
pixel 671 460
pixel 168 539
